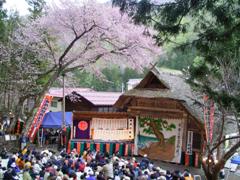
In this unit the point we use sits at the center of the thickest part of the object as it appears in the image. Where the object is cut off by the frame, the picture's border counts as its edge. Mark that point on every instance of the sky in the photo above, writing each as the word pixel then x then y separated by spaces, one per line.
pixel 22 7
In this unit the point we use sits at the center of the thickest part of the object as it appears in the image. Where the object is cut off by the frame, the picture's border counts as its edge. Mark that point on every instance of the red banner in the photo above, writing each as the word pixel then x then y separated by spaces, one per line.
pixel 39 117
pixel 187 160
pixel 208 117
pixel 196 160
pixel 205 112
pixel 211 120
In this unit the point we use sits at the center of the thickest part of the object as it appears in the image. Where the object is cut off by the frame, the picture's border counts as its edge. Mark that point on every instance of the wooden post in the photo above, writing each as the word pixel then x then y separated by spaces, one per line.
pixel 136 136
pixel 42 138
pixel 72 128
pixel 184 141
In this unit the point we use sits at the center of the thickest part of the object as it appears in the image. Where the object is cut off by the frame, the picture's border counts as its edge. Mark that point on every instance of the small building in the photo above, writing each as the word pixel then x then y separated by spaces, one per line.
pixel 96 124
pixel 91 101
pixel 57 93
pixel 168 124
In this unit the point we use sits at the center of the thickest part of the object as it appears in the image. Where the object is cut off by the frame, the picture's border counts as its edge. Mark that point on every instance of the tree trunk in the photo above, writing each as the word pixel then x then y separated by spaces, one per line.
pixel 211 176
pixel 38 101
pixel 18 113
pixel 157 133
pixel 211 171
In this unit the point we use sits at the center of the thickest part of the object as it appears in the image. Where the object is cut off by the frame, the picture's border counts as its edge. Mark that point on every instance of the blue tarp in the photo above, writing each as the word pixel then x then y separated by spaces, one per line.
pixel 235 160
pixel 54 120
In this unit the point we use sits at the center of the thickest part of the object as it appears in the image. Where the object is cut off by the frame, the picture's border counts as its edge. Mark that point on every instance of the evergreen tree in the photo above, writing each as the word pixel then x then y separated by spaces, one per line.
pixel 112 79
pixel 3 17
pixel 215 71
pixel 36 7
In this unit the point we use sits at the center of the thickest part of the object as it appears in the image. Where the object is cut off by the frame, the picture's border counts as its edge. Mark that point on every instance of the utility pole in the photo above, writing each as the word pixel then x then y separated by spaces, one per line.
pixel 64 133
pixel 63 104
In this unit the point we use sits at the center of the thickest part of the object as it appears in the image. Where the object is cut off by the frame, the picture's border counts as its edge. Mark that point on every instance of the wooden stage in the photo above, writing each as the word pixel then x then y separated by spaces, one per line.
pixel 123 148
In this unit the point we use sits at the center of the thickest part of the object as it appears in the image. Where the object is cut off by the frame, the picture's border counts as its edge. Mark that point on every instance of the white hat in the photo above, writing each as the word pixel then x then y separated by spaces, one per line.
pixel 145 155
pixel 115 158
pixel 164 172
pixel 13 165
pixel 59 157
pixel 126 178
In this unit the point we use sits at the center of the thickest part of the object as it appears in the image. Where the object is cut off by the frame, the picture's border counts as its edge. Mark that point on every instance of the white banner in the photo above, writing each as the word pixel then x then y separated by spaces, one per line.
pixel 189 143
pixel 171 150
pixel 111 124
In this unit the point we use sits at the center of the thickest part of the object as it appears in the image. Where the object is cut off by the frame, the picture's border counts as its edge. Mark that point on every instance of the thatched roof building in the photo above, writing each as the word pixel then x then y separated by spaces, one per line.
pixel 164 84
pixel 166 95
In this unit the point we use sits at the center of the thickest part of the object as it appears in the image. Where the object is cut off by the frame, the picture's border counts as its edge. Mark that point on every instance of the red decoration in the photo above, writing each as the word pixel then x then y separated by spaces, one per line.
pixel 211 119
pixel 187 160
pixel 196 160
pixel 83 125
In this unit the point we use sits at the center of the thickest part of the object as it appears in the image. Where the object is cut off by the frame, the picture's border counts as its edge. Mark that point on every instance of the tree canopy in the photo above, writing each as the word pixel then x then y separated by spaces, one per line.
pixel 214 26
pixel 84 36
pixel 214 71
pixel 115 79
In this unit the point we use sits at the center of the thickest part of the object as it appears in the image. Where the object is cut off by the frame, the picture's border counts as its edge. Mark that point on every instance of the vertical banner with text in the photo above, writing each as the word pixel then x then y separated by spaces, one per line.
pixel 39 117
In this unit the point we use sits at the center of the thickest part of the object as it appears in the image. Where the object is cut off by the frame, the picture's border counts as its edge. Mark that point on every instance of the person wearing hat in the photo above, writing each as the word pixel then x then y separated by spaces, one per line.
pixel 36 168
pixel 27 163
pixel 144 162
pixel 155 173
pixel 169 175
pixel 162 178
pixel 15 168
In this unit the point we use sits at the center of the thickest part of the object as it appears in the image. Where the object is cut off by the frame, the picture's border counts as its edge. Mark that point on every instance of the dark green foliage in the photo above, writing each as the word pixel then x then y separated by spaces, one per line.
pixel 160 123
pixel 177 59
pixel 3 17
pixel 113 80
pixel 215 25
pixel 36 7
pixel 215 18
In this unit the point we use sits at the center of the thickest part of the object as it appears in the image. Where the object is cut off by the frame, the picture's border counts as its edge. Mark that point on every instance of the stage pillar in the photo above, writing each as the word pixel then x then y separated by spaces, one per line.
pixel 136 136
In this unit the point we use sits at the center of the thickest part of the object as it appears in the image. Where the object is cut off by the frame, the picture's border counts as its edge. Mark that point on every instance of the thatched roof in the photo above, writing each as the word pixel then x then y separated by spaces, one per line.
pixel 174 87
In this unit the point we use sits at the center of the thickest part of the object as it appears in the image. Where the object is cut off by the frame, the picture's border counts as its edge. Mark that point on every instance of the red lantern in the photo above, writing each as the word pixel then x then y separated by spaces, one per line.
pixel 83 125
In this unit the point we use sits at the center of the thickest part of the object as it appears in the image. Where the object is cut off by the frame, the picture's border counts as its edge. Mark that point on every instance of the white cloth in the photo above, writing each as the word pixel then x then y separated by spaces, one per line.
pixel 88 170
pixel 36 168
pixel 44 160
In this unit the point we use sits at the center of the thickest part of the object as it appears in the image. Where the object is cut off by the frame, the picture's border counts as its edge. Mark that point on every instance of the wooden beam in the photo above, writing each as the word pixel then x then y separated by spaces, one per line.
pixel 155 109
pixel 94 114
pixel 155 114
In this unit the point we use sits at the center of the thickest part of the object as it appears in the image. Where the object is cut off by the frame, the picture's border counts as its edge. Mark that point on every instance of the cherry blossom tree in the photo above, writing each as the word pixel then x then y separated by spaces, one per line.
pixel 85 36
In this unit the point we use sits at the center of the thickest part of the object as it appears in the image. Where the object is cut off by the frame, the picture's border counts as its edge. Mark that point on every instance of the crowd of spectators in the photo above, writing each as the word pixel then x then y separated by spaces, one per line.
pixel 32 164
